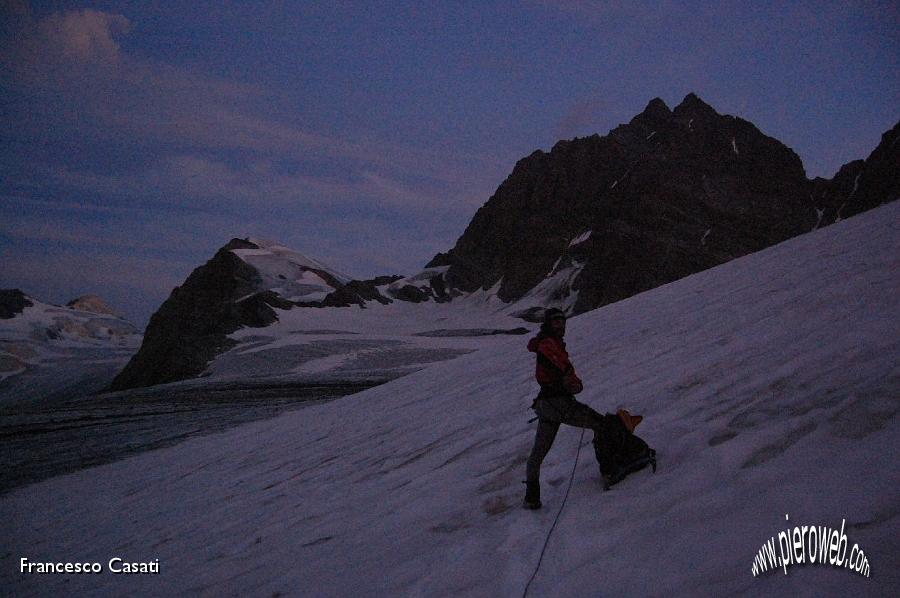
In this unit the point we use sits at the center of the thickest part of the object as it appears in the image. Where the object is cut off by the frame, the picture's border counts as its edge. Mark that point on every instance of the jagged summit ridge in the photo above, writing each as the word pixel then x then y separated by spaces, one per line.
pixel 693 104
pixel 670 193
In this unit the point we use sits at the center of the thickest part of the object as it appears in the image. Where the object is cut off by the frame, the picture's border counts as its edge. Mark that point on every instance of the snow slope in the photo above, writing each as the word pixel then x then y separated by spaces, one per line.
pixel 769 385
pixel 291 274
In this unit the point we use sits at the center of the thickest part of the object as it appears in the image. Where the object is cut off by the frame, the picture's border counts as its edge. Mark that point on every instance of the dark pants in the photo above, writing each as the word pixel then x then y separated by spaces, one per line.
pixel 553 411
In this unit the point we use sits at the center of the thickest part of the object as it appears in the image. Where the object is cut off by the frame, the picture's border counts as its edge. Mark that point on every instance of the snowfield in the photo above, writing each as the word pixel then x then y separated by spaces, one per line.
pixel 769 385
pixel 349 343
pixel 376 342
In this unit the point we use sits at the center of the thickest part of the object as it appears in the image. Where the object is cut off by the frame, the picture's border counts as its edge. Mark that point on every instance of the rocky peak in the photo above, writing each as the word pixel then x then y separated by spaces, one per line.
pixel 861 184
pixel 193 324
pixel 666 195
pixel 240 286
pixel 656 113
pixel 12 302
pixel 692 106
pixel 239 244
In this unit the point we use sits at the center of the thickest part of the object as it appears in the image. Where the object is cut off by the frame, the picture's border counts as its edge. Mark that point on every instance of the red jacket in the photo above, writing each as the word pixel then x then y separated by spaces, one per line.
pixel 554 372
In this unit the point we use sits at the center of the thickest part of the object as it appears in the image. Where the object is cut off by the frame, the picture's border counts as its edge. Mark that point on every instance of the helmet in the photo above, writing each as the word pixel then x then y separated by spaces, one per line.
pixel 553 313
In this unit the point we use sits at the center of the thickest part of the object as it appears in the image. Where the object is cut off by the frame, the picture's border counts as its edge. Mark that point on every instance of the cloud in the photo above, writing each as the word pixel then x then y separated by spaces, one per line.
pixel 88 91
pixel 19 9
pixel 612 12
pixel 58 46
pixel 71 268
pixel 203 183
pixel 83 35
pixel 84 81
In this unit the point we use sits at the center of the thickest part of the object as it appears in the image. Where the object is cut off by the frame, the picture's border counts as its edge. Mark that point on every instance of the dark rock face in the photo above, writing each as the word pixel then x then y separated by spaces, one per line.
pixel 359 292
pixel 190 327
pixel 434 289
pixel 410 293
pixel 671 193
pixel 862 184
pixel 12 302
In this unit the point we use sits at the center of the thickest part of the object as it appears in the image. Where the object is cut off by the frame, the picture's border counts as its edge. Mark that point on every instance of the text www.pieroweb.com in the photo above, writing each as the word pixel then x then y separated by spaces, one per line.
pixel 810 544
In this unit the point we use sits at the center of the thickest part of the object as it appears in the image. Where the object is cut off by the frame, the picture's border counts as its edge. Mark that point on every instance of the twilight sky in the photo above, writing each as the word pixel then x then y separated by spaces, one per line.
pixel 135 140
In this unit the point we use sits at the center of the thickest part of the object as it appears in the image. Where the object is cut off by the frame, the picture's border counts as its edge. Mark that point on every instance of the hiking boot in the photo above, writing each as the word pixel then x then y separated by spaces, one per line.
pixel 532 495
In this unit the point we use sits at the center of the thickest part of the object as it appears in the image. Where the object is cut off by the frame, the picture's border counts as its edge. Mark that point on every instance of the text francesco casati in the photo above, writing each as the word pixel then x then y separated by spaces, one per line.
pixel 115 565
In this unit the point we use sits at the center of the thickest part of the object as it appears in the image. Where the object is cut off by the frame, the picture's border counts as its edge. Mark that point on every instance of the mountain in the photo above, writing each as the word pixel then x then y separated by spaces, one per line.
pixel 244 285
pixel 49 350
pixel 87 320
pixel 592 222
pixel 862 184
pixel 12 303
pixel 769 389
pixel 671 193
pixel 218 298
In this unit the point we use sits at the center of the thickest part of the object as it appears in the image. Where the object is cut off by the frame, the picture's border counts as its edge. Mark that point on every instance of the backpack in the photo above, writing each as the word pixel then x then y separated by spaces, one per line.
pixel 619 450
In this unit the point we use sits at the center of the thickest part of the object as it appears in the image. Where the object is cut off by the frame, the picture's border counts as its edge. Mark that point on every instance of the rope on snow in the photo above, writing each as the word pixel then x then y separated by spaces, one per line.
pixel 555 521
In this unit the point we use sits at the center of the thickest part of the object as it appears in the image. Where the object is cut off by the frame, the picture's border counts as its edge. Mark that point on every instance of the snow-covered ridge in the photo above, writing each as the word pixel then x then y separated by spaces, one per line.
pixel 45 322
pixel 293 256
pixel 368 342
pixel 769 386
pixel 294 276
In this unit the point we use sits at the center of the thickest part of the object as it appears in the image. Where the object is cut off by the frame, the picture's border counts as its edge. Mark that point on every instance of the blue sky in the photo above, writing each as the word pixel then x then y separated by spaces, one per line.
pixel 138 139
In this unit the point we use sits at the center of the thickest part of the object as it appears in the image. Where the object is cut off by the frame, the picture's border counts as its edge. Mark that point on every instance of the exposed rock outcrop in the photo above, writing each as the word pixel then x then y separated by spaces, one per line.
pixel 12 302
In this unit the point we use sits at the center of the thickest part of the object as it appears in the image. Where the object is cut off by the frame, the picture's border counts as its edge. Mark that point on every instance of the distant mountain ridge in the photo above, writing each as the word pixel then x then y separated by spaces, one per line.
pixel 85 318
pixel 35 335
pixel 593 221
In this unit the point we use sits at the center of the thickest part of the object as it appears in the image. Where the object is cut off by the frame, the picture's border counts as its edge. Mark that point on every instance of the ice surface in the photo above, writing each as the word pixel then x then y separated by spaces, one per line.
pixel 399 336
